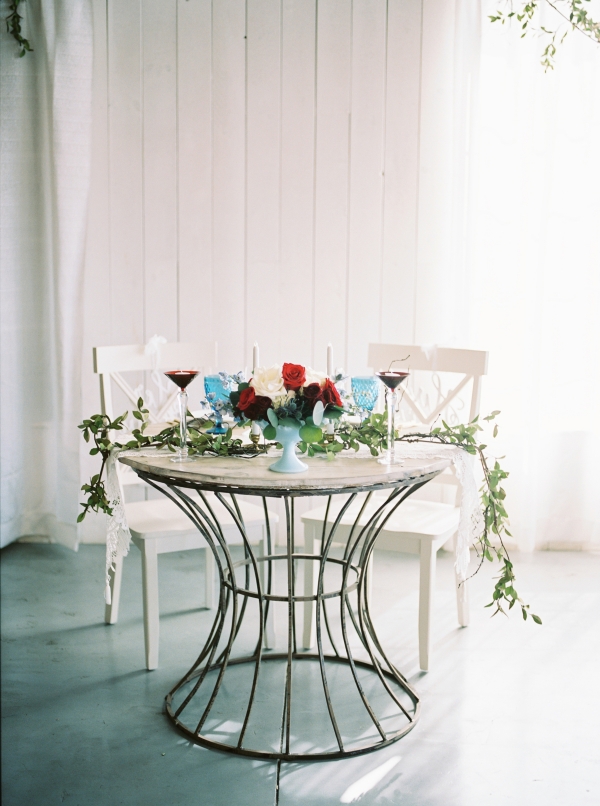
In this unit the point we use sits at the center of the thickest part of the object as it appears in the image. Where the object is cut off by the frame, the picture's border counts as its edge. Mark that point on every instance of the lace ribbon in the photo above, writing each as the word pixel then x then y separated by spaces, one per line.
pixel 470 524
pixel 118 536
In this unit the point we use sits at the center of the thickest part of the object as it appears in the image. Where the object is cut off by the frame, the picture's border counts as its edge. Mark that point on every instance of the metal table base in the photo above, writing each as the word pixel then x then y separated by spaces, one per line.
pixel 381 693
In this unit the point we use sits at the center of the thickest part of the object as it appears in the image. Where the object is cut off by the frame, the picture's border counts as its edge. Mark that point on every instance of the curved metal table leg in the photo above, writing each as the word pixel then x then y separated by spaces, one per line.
pixel 350 699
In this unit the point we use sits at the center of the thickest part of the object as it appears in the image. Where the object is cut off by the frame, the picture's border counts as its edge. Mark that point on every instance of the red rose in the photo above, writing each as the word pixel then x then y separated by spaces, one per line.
pixel 312 393
pixel 252 405
pixel 293 376
pixel 330 395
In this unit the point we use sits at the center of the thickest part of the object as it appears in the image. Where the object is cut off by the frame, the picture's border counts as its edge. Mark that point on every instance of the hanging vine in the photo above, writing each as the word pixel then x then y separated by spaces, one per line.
pixel 526 13
pixel 13 26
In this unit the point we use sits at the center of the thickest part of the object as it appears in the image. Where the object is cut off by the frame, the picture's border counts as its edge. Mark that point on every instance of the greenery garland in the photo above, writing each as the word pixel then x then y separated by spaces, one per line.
pixel 372 432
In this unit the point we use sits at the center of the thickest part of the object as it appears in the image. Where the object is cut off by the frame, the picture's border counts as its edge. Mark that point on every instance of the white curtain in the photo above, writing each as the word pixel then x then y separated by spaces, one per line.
pixel 509 253
pixel 46 129
pixel 535 260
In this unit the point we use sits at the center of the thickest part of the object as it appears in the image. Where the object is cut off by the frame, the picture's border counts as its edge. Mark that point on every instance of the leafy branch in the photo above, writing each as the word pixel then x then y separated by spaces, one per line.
pixel 371 433
pixel 574 14
pixel 13 26
pixel 99 427
pixel 495 516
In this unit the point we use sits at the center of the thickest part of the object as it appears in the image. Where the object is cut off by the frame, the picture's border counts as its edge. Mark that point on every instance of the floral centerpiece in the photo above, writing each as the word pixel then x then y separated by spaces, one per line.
pixel 289 402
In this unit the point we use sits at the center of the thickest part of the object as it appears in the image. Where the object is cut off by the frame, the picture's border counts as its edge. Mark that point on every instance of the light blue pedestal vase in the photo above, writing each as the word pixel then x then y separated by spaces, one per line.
pixel 288 462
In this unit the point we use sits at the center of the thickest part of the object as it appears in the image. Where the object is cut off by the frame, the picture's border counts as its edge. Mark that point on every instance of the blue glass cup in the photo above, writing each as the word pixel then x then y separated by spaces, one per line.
pixel 365 391
pixel 216 392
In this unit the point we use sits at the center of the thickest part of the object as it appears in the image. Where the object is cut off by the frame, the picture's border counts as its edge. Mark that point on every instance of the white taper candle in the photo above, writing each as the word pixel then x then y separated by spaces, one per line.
pixel 329 361
pixel 255 357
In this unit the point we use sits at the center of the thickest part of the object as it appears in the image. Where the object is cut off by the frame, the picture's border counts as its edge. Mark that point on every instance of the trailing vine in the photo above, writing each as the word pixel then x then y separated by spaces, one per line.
pixel 372 433
pixel 13 26
pixel 574 15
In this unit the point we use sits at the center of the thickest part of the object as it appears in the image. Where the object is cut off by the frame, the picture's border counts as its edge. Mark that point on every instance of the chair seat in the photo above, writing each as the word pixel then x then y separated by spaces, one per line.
pixel 163 518
pixel 418 519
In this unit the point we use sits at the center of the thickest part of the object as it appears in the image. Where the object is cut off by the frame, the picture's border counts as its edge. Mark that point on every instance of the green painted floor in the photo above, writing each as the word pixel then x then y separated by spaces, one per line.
pixel 510 710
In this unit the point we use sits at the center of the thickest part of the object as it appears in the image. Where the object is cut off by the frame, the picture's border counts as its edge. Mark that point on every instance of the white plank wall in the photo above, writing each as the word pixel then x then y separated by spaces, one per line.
pixel 262 172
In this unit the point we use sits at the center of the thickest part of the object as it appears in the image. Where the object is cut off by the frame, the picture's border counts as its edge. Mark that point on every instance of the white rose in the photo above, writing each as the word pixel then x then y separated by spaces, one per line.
pixel 283 399
pixel 312 376
pixel 268 382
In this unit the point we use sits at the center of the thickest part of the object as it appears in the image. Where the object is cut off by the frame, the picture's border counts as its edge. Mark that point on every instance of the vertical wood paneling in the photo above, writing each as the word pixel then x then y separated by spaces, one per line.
pixel 194 127
pixel 401 171
pixel 229 112
pixel 126 173
pixel 268 188
pixel 264 319
pixel 366 181
pixel 334 59
pixel 159 75
pixel 433 315
pixel 297 178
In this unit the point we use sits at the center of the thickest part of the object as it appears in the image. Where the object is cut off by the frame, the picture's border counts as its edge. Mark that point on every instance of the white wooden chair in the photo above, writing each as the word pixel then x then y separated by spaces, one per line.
pixel 418 526
pixel 159 526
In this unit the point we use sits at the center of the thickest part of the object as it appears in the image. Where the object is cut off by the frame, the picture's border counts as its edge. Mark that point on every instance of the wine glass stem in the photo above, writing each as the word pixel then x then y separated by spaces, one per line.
pixel 183 406
pixel 391 413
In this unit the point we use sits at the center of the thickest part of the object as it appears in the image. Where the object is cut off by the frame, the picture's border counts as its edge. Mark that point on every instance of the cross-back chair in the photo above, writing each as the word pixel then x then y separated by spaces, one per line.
pixel 159 526
pixel 418 526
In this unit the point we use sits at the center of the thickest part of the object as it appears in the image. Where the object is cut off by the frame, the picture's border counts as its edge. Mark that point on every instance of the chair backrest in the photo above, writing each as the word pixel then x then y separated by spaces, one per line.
pixel 110 362
pixel 471 364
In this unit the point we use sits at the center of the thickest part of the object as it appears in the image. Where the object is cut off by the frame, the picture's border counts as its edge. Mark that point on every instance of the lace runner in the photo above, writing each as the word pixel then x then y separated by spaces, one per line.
pixel 118 536
pixel 470 525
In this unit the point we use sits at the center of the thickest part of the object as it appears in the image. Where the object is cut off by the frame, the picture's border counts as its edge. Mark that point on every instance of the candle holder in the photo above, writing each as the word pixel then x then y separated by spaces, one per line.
pixel 391 381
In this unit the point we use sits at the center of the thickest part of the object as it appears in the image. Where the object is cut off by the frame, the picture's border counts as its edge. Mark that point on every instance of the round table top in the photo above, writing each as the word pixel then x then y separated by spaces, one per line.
pixel 350 470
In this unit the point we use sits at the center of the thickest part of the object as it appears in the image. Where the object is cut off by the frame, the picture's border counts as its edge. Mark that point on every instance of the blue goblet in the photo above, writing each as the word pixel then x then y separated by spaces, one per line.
pixel 365 391
pixel 216 392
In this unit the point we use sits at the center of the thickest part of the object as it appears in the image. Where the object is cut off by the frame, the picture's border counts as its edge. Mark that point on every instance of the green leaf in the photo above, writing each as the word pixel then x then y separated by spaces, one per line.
pixel 270 432
pixel 272 418
pixel 310 433
pixel 333 412
pixel 537 619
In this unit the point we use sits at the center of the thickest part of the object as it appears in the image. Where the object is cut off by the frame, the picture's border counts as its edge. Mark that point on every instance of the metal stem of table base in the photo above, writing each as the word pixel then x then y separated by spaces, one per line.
pixel 360 542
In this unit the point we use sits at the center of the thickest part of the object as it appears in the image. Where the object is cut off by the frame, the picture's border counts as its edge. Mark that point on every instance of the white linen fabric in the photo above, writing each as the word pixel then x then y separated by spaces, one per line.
pixel 470 525
pixel 535 290
pixel 45 162
pixel 118 536
pixel 509 255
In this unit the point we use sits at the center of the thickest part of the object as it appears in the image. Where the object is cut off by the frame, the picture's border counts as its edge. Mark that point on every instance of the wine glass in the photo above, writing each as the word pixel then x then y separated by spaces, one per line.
pixel 392 380
pixel 182 378
pixel 216 390
pixel 365 391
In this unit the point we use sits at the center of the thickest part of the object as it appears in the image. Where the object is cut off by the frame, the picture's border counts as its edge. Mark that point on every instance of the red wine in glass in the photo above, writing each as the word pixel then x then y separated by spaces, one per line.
pixel 182 378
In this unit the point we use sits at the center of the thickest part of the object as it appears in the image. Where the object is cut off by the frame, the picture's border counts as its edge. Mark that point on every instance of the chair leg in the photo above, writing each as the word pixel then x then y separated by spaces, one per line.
pixel 111 611
pixel 462 602
pixel 426 586
pixel 150 592
pixel 209 579
pixel 308 637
